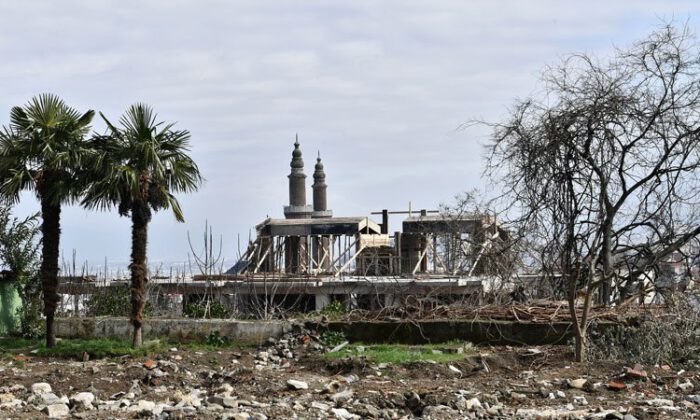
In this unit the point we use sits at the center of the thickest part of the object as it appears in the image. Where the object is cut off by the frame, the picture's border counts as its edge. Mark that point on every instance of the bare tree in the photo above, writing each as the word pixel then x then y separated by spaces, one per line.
pixel 603 168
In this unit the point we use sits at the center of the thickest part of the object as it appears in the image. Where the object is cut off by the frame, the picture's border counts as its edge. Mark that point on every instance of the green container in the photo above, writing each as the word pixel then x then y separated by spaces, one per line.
pixel 9 302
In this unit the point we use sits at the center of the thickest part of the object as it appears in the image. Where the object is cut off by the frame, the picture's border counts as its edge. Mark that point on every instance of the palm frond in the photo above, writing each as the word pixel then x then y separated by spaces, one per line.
pixel 144 160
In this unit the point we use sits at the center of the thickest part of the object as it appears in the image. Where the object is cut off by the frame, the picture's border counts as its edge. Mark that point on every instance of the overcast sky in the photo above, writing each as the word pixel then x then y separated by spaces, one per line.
pixel 380 88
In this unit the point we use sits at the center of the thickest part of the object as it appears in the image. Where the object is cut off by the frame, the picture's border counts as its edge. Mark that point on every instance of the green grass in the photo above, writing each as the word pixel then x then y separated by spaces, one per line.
pixel 14 345
pixel 100 348
pixel 399 353
pixel 96 348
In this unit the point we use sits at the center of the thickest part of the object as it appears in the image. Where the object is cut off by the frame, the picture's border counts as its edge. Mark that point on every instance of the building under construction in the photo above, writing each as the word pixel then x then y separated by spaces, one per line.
pixel 311 258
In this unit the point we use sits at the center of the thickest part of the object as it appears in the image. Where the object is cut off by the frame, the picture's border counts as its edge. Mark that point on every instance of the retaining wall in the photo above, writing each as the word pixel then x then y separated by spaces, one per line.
pixel 256 332
pixel 244 332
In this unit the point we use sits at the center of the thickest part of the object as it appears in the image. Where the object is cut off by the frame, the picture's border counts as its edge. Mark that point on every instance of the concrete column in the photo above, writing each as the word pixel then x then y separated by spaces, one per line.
pixel 322 299
pixel 352 303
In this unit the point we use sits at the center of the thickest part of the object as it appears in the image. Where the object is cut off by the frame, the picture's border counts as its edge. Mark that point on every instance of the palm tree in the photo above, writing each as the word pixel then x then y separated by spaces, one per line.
pixel 43 150
pixel 141 164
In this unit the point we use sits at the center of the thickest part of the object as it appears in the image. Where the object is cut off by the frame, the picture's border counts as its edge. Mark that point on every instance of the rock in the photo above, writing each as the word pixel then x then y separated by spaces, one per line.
pixel 214 408
pixel 454 370
pixel 549 413
pixel 56 410
pixel 579 400
pixel 298 385
pixel 693 398
pixel 191 399
pixel 438 412
pixel 320 406
pixel 83 400
pixel 412 401
pixel 629 417
pixel 660 402
pixel 144 407
pixel 616 386
pixel 225 389
pixel 339 346
pixel 51 398
pixel 342 397
pixel 577 383
pixel 360 349
pixel 343 414
pixel 41 388
pixel 224 401
pixel 238 416
pixel 610 415
pixel 518 396
pixel 473 404
pixel 8 400
pixel 635 373
pixel 331 387
pixel 135 388
pixel 368 411
pixel 686 386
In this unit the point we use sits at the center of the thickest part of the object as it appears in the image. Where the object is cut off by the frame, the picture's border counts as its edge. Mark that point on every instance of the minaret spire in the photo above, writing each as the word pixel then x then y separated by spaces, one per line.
pixel 297 208
pixel 319 191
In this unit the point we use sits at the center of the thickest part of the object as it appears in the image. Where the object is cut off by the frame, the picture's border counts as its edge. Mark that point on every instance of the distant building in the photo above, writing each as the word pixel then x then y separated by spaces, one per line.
pixel 312 254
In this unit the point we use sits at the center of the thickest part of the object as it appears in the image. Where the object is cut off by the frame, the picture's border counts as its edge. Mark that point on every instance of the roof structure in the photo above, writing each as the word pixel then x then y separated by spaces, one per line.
pixel 445 223
pixel 329 226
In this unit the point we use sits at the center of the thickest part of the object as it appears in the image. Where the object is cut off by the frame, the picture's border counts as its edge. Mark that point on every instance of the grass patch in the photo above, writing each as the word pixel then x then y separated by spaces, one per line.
pixel 197 346
pixel 17 345
pixel 400 353
pixel 101 348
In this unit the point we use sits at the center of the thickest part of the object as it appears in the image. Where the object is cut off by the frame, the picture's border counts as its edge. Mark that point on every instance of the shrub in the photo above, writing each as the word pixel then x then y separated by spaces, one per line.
pixel 672 337
pixel 206 309
pixel 334 310
pixel 332 338
pixel 217 340
pixel 113 301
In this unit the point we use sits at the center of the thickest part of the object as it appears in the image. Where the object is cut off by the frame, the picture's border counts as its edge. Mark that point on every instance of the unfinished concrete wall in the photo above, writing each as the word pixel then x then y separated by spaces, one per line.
pixel 244 332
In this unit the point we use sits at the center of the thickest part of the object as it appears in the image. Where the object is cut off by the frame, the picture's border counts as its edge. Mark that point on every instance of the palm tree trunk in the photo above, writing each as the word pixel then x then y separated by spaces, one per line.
pixel 139 239
pixel 51 232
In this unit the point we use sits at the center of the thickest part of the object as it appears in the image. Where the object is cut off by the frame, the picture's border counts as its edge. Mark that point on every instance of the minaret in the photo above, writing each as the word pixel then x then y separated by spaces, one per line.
pixel 297 208
pixel 319 191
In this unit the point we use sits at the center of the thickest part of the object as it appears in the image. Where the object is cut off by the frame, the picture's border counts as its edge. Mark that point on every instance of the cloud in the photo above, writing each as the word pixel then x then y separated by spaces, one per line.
pixel 380 88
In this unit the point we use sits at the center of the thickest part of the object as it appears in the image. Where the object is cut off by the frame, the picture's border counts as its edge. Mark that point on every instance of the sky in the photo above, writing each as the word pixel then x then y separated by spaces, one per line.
pixel 383 89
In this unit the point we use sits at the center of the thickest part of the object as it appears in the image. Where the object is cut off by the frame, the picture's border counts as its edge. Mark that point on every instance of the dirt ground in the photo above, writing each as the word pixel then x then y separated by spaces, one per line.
pixel 490 382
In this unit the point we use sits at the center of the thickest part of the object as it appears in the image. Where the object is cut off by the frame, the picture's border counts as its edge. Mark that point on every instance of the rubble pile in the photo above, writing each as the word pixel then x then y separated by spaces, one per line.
pixel 289 378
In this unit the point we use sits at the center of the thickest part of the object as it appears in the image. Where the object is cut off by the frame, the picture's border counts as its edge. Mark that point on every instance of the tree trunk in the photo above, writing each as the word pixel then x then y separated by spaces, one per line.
pixel 580 346
pixel 137 340
pixel 140 216
pixel 51 233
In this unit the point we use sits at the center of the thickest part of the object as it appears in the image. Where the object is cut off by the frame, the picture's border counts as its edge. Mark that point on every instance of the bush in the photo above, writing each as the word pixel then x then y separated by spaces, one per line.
pixel 19 255
pixel 217 340
pixel 652 342
pixel 113 301
pixel 206 309
pixel 332 338
pixel 334 310
pixel 673 337
pixel 31 320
